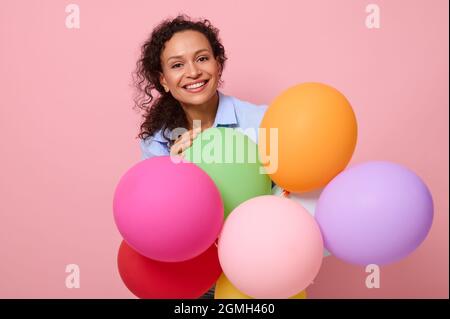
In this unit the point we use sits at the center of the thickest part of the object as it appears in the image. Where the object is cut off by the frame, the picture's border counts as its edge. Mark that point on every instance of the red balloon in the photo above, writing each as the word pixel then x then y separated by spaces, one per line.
pixel 152 279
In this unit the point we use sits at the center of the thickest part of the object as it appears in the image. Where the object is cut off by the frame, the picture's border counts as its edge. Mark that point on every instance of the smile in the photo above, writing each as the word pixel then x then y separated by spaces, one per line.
pixel 196 87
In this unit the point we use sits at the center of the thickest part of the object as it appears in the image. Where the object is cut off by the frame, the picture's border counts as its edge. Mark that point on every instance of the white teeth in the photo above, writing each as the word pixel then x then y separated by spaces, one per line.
pixel 196 85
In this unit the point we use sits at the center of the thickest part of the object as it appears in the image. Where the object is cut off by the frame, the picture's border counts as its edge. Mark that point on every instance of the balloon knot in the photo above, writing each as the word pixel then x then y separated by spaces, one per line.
pixel 285 193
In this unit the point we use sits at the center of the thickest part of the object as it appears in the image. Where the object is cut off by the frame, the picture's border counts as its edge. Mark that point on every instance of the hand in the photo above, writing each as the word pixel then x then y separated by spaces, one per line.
pixel 184 142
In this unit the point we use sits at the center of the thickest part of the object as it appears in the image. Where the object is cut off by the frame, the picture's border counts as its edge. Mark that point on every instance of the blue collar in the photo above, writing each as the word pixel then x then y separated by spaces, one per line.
pixel 225 117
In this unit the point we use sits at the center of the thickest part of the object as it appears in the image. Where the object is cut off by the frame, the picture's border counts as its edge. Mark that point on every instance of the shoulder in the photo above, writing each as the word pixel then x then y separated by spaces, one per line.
pixel 155 145
pixel 248 114
pixel 247 106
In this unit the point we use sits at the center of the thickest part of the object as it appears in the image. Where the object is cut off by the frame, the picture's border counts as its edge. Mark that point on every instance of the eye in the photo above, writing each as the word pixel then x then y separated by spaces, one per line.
pixel 176 65
pixel 203 58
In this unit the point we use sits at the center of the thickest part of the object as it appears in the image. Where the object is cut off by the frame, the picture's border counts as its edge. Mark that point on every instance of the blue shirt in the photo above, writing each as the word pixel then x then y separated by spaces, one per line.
pixel 231 112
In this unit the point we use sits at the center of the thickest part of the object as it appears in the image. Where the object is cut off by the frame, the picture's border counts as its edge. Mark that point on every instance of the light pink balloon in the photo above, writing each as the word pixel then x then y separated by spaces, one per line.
pixel 166 211
pixel 270 247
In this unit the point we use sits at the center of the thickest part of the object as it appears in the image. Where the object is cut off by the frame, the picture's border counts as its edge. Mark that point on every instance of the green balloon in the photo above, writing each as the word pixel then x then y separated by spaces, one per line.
pixel 231 159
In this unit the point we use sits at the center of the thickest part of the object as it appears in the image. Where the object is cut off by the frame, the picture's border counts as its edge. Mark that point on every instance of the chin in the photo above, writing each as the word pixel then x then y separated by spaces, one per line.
pixel 199 98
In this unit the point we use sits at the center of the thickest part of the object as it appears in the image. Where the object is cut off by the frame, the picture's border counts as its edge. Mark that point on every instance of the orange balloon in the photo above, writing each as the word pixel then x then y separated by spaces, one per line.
pixel 317 134
pixel 226 290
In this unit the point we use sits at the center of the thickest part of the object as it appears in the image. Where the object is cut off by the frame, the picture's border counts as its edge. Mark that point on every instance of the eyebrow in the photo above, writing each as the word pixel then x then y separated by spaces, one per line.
pixel 180 56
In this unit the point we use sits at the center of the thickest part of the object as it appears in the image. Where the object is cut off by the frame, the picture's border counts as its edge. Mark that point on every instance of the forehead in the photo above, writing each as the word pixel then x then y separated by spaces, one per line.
pixel 184 43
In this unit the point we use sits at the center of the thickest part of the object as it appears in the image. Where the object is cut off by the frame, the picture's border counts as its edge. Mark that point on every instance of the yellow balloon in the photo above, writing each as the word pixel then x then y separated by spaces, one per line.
pixel 226 290
pixel 317 134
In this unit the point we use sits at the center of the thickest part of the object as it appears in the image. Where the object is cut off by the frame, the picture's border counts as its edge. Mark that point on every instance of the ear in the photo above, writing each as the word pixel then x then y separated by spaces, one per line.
pixel 163 82
pixel 219 67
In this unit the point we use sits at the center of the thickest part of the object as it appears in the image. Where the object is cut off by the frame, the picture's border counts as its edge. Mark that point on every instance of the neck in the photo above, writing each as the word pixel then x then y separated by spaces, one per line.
pixel 206 113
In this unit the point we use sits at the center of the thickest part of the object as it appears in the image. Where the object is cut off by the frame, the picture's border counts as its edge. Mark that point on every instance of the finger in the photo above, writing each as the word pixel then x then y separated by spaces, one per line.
pixel 188 138
pixel 176 149
pixel 180 146
pixel 183 136
pixel 193 132
pixel 186 145
pixel 196 132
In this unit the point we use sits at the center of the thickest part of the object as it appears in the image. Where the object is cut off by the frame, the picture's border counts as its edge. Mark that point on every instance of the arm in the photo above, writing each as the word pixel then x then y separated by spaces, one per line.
pixel 150 148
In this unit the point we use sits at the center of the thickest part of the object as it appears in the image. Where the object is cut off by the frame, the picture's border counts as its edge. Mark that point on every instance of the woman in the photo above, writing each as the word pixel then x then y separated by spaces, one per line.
pixel 183 61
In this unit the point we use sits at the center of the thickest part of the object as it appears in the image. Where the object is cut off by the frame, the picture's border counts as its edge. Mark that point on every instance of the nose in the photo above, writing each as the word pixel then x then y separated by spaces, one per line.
pixel 193 70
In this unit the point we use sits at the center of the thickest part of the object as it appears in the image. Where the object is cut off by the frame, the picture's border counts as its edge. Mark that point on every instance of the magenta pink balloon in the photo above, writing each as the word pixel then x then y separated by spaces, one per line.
pixel 270 247
pixel 166 211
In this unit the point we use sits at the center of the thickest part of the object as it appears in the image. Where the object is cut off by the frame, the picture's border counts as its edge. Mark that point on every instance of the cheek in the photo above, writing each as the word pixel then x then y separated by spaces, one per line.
pixel 213 70
pixel 173 78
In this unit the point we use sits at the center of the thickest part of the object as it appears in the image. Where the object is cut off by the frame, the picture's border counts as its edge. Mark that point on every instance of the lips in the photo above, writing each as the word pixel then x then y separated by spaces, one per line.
pixel 195 85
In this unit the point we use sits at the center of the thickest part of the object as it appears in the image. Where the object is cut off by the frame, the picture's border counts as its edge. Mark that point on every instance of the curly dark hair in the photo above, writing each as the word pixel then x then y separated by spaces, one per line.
pixel 165 112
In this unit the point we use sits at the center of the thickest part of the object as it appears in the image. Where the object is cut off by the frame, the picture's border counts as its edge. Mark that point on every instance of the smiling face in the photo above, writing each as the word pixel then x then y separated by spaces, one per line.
pixel 190 71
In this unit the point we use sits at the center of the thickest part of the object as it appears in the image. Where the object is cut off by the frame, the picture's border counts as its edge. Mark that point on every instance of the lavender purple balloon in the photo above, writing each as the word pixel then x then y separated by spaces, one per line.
pixel 374 213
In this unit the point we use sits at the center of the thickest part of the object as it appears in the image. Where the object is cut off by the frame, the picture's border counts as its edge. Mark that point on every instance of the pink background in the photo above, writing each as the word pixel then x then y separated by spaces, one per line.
pixel 67 128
